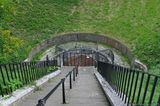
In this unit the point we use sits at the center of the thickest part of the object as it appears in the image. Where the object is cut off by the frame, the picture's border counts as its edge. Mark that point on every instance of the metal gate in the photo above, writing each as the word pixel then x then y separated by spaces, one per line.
pixel 82 59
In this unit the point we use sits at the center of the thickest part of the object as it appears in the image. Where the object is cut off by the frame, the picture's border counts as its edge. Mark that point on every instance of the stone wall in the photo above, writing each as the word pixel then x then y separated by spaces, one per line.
pixel 90 37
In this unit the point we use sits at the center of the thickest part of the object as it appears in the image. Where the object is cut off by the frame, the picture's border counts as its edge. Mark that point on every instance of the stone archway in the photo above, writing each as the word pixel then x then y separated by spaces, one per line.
pixel 90 37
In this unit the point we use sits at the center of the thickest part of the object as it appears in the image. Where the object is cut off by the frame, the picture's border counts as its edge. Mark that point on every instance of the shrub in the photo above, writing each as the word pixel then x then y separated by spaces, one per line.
pixel 13 84
pixel 9 46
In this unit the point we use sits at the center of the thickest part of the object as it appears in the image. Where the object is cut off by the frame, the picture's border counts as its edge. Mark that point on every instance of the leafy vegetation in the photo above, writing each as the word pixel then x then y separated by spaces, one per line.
pixel 9 46
pixel 135 23
pixel 13 84
pixel 52 69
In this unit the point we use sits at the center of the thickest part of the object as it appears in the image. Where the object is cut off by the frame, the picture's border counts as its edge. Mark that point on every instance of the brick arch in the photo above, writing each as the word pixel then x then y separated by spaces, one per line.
pixel 90 37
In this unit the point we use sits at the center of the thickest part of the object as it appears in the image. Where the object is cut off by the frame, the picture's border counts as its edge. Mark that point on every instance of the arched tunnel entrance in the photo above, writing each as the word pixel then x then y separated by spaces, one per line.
pixel 78 37
pixel 84 57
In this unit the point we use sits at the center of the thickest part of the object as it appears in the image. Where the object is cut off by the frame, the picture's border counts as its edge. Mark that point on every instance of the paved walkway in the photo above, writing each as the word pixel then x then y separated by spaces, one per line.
pixel 85 92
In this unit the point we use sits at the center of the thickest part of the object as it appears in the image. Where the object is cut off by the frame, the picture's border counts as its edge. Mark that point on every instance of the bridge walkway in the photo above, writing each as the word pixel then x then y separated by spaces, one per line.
pixel 85 91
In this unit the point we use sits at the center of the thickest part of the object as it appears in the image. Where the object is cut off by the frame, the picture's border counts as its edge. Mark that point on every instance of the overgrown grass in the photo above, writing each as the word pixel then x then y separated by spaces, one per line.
pixel 135 23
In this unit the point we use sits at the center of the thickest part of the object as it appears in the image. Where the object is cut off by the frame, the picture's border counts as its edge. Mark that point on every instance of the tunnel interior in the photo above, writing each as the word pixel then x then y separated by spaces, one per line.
pixel 83 57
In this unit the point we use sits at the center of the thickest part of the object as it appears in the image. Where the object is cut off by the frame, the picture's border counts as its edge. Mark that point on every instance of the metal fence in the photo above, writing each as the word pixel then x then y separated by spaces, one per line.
pixel 15 75
pixel 42 101
pixel 134 87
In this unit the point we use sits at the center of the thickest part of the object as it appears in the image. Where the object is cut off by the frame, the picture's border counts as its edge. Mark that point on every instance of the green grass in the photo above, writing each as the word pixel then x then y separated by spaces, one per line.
pixel 135 23
pixel 149 89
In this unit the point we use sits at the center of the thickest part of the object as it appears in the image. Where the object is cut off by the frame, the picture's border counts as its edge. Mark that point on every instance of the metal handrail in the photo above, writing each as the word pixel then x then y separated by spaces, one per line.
pixel 132 86
pixel 42 102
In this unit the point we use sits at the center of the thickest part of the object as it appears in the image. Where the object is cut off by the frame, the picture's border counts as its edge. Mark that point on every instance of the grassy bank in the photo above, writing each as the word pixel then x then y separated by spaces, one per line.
pixel 135 23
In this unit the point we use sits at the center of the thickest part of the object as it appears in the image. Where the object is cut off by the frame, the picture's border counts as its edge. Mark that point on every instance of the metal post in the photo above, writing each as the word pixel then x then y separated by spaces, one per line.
pixel 74 60
pixel 4 81
pixel 131 86
pixel 146 87
pixel 153 90
pixel 81 59
pixel 47 59
pixel 63 58
pixel 41 103
pixel 140 87
pixel 2 93
pixel 74 74
pixel 85 59
pixel 128 84
pixel 63 91
pixel 70 60
pixel 92 59
pixel 70 80
pixel 59 60
pixel 67 64
pixel 135 87
pixel 77 70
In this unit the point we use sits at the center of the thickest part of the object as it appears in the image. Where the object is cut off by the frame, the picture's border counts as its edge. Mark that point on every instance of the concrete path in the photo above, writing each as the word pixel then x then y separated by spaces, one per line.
pixel 86 91
pixel 32 99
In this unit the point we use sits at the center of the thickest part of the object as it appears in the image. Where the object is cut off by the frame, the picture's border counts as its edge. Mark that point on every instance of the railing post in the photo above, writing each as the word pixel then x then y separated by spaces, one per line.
pixel 47 59
pixel 63 59
pixel 63 91
pixel 41 103
pixel 59 60
pixel 140 88
pixel 153 90
pixel 3 78
pixel 146 88
pixel 74 59
pixel 74 74
pixel 70 80
pixel 77 70
pixel 2 93
pixel 67 59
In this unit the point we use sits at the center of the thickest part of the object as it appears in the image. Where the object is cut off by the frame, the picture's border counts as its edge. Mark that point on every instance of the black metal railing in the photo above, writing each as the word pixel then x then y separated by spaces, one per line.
pixel 15 75
pixel 42 101
pixel 134 87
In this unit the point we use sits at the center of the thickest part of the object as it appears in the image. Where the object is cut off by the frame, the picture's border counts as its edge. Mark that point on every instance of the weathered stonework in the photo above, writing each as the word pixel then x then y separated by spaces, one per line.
pixel 90 37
